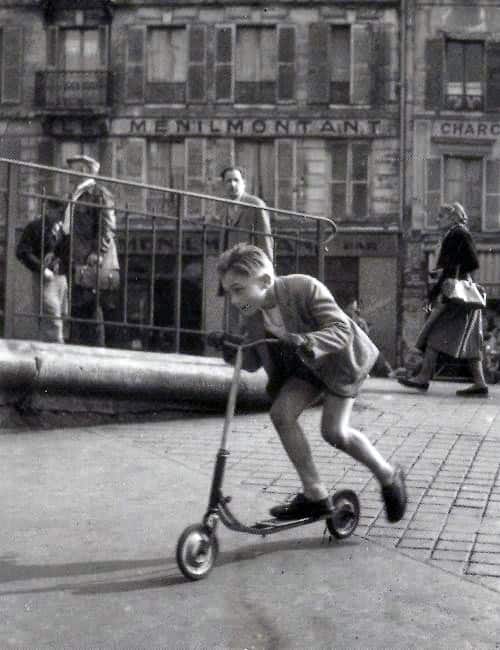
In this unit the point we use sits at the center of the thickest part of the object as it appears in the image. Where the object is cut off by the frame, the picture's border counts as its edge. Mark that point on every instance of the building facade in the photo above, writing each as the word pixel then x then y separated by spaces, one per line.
pixel 454 93
pixel 305 96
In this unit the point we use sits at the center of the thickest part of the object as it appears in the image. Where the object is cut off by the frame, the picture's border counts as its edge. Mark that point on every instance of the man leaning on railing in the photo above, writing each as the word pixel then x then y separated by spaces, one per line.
pixel 90 224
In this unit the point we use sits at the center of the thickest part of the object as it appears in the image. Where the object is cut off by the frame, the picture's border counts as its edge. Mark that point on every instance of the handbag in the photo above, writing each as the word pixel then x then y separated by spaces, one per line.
pixel 464 292
pixel 85 276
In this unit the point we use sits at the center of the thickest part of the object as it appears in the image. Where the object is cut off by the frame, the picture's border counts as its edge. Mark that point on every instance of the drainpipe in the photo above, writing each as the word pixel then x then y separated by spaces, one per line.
pixel 402 168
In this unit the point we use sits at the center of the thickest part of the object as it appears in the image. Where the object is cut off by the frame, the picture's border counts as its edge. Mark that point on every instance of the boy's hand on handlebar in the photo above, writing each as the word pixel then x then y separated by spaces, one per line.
pixel 219 339
pixel 295 342
pixel 215 340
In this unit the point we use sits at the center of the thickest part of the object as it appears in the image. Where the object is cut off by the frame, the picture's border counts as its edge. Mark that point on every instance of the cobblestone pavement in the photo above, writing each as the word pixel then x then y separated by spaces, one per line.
pixel 449 447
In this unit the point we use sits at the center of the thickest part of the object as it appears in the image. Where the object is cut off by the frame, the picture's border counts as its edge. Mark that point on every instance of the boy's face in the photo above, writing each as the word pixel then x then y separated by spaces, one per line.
pixel 247 293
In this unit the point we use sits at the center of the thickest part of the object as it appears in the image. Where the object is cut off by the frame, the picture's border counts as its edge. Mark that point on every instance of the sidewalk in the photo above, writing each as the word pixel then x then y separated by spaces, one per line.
pixel 91 518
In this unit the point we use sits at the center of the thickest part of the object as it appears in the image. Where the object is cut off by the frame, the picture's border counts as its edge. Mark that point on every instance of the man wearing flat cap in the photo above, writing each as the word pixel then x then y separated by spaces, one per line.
pixel 90 223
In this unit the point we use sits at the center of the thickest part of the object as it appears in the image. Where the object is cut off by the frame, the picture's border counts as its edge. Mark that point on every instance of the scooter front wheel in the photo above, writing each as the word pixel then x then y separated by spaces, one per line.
pixel 345 515
pixel 197 550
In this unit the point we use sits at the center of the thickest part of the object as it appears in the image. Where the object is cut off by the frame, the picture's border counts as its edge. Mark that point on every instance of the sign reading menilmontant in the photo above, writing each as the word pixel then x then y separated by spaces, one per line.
pixel 245 127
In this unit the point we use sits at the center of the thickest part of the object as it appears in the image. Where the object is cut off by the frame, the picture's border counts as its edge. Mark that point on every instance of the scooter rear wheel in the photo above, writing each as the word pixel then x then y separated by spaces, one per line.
pixel 345 516
pixel 197 550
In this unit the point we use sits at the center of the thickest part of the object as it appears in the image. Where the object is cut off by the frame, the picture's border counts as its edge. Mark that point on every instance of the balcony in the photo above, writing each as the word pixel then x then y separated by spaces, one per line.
pixel 73 90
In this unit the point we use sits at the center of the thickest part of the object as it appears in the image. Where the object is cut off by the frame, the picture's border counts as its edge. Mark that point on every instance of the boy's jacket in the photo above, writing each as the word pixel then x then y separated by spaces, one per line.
pixel 338 351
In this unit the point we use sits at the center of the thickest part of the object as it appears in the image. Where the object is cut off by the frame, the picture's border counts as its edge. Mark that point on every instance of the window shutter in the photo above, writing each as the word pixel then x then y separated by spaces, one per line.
pixel 380 65
pixel 285 174
pixel 493 76
pixel 434 74
pixel 339 155
pixel 318 79
pixel 492 216
pixel 135 63
pixel 286 63
pixel 433 175
pixel 196 85
pixel 224 63
pixel 130 157
pixel 195 176
pixel 46 155
pixel 361 61
pixel 12 62
pixel 103 46
pixel 224 157
pixel 52 46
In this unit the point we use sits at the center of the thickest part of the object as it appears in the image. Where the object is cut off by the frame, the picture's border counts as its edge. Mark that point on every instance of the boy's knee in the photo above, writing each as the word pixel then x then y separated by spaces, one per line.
pixel 281 417
pixel 335 437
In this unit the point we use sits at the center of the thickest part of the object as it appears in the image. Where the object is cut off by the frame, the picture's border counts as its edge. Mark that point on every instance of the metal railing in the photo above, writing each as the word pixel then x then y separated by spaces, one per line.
pixel 168 290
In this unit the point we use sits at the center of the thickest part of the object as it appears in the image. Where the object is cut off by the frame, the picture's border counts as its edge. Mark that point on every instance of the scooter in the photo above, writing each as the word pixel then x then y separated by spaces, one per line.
pixel 198 546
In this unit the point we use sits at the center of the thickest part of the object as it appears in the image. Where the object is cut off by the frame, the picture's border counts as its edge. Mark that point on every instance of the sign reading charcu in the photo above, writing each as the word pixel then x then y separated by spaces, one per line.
pixel 465 129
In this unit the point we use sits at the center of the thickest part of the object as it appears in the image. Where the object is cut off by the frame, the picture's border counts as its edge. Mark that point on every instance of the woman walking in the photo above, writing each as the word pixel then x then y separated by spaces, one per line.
pixel 452 328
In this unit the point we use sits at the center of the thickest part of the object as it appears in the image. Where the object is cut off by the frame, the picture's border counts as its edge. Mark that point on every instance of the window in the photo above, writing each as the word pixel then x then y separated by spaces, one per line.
pixel 258 163
pixel 77 74
pixel 256 65
pixel 473 181
pixel 166 65
pixel 340 64
pixel 464 75
pixel 80 50
pixel 166 169
pixel 349 180
pixel 347 64
pixel 463 182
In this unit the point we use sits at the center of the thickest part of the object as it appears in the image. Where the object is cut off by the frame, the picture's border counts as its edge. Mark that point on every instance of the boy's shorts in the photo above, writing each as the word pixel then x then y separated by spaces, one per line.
pixel 288 364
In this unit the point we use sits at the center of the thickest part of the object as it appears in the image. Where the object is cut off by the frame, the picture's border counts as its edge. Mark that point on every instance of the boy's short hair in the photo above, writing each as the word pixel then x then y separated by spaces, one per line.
pixel 245 259
pixel 231 168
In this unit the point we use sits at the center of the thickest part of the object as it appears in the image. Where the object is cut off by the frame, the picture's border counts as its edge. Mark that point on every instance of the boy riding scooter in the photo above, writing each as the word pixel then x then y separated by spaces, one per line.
pixel 321 352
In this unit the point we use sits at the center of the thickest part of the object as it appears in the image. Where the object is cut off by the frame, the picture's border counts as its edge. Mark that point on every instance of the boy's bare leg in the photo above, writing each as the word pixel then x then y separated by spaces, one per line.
pixel 336 430
pixel 295 396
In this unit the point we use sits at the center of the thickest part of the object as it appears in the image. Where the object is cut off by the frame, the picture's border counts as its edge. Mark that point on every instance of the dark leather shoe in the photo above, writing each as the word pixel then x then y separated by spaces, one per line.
pixel 473 391
pixel 300 507
pixel 394 496
pixel 411 383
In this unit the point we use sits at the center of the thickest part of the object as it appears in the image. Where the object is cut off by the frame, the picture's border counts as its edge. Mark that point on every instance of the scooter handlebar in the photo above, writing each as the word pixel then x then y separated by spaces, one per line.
pixel 223 339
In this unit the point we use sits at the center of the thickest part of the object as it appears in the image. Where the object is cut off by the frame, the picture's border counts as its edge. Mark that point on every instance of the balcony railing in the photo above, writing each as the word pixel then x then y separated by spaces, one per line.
pixel 464 102
pixel 89 89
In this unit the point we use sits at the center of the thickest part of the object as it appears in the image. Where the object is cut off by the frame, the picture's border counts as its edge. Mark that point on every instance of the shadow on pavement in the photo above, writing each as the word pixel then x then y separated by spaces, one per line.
pixel 169 577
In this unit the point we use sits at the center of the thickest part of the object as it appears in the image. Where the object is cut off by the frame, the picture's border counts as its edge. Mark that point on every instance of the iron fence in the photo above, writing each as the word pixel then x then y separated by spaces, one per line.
pixel 168 241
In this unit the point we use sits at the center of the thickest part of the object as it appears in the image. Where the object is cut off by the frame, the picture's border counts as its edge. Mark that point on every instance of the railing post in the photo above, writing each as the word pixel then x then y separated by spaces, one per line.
pixel 320 246
pixel 10 253
pixel 178 274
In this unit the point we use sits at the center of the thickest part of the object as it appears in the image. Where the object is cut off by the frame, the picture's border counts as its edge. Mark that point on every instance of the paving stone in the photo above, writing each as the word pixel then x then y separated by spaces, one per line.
pixel 491 570
pixel 456 567
pixel 453 545
pixel 486 558
pixel 450 555
pixel 415 544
